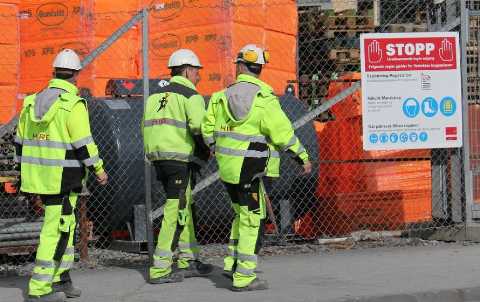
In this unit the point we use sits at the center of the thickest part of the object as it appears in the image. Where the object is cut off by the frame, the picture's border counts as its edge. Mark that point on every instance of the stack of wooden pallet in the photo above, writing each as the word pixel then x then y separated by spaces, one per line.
pixel 473 67
pixel 329 43
pixel 341 33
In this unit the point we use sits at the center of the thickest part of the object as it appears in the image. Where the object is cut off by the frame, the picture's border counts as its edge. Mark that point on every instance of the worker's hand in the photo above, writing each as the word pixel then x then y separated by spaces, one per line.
pixel 102 178
pixel 307 168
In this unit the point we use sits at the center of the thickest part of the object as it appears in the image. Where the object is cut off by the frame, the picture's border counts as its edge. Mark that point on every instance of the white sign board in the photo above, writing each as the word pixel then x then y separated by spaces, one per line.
pixel 411 91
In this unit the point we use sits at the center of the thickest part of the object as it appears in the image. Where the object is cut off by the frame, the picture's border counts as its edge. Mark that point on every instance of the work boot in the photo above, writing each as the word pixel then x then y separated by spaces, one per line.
pixel 51 297
pixel 67 288
pixel 256 284
pixel 173 277
pixel 197 269
pixel 228 275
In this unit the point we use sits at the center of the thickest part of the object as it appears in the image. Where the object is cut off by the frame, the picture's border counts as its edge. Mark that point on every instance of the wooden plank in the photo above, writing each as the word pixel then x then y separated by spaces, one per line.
pixel 353 22
pixel 4 179
pixel 350 33
pixel 344 55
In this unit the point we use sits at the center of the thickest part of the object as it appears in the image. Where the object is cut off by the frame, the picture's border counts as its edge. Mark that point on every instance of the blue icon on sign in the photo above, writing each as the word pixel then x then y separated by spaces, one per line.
pixel 373 138
pixel 429 107
pixel 383 138
pixel 394 137
pixel 413 137
pixel 403 137
pixel 411 107
pixel 448 106
pixel 423 136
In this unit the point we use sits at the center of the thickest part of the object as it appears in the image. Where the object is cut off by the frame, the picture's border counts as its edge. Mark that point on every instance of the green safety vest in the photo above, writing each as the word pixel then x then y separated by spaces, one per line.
pixel 46 153
pixel 244 148
pixel 172 118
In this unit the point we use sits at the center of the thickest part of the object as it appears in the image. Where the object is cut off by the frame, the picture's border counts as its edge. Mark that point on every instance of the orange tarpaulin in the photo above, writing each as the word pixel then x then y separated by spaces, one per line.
pixel 9 60
pixel 214 29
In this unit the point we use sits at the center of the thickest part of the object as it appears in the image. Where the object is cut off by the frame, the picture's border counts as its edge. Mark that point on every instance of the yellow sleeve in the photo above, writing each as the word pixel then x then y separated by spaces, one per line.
pixel 208 124
pixel 195 110
pixel 78 126
pixel 279 129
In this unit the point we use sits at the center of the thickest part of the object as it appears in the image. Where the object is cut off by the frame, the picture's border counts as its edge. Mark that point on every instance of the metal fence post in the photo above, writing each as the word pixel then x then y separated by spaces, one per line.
pixel 146 92
pixel 466 139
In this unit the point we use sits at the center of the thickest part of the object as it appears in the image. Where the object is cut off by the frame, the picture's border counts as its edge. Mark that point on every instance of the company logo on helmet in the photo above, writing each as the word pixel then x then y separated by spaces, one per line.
pixel 166 9
pixel 164 45
pixel 52 14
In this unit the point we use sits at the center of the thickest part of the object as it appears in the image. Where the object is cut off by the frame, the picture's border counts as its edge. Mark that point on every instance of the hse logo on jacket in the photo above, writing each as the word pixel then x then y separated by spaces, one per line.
pixel 54 143
pixel 172 119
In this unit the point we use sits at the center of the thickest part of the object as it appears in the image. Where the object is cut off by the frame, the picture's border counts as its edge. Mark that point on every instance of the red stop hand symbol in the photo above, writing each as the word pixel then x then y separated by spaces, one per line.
pixel 446 51
pixel 374 52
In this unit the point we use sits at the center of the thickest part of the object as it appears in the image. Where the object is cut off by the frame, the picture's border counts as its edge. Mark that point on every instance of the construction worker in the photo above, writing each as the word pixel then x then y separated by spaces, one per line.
pixel 174 145
pixel 240 123
pixel 54 148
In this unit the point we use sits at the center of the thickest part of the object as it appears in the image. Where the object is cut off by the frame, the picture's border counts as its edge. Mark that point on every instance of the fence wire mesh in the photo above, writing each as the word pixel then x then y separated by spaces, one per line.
pixel 315 52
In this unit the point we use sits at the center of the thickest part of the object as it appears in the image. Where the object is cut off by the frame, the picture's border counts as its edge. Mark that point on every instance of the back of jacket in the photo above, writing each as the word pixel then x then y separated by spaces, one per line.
pixel 172 119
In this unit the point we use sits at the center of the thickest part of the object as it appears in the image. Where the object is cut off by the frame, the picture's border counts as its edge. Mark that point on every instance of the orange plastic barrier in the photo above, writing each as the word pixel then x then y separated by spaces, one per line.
pixel 8 97
pixel 208 42
pixel 282 16
pixel 27 87
pixel 72 18
pixel 351 106
pixel 384 210
pixel 9 57
pixel 342 140
pixel 283 49
pixel 10 2
pixel 119 60
pixel 336 178
pixel 40 20
pixel 474 129
pixel 9 24
pixel 169 14
pixel 106 18
pixel 474 133
pixel 217 46
pixel 213 29
pixel 277 79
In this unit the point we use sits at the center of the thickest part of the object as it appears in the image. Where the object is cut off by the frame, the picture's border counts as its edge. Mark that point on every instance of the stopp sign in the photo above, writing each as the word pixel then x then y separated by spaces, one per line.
pixel 409 49
pixel 405 53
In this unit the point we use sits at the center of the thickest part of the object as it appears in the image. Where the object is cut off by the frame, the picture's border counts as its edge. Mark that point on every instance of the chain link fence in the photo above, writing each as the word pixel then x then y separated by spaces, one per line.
pixel 315 62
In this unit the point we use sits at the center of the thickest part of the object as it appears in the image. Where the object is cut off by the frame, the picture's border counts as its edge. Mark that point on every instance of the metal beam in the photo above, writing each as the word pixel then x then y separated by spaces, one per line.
pixel 114 37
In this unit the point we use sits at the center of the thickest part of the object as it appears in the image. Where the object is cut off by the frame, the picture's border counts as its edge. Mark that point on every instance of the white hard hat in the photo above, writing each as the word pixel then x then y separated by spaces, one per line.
pixel 251 53
pixel 67 59
pixel 184 57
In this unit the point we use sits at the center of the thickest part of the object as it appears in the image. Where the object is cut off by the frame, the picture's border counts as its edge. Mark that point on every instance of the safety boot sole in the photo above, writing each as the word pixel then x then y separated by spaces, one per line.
pixel 171 278
pixel 68 289
pixel 52 297
pixel 254 285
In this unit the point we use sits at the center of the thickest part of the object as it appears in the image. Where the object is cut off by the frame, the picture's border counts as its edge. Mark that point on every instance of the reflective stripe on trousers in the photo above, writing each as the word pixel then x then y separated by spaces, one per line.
pixel 245 271
pixel 163 264
pixel 51 264
pixel 160 253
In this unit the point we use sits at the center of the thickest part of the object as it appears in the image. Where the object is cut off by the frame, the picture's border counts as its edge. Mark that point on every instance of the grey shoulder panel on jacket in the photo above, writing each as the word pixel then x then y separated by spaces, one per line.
pixel 240 98
pixel 45 99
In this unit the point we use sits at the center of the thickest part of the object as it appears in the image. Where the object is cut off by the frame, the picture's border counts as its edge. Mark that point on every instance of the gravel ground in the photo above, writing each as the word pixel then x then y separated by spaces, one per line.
pixel 101 259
